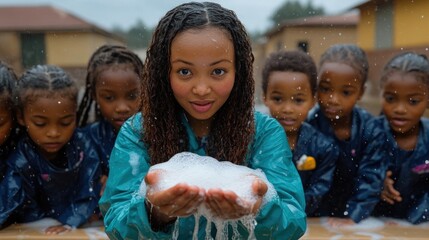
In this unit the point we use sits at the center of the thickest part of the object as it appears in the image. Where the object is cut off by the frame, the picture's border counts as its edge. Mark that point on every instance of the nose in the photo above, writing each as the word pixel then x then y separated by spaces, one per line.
pixel 53 132
pixel 201 88
pixel 400 108
pixel 333 99
pixel 287 108
pixel 122 107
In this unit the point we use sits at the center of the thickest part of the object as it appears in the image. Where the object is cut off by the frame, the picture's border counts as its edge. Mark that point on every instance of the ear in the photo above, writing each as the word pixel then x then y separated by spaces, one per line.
pixel 264 98
pixel 20 118
pixel 362 91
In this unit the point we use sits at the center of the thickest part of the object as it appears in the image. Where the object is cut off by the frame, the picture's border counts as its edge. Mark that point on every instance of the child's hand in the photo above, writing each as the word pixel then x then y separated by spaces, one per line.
pixel 177 201
pixel 340 222
pixel 103 181
pixel 227 205
pixel 389 193
pixel 54 230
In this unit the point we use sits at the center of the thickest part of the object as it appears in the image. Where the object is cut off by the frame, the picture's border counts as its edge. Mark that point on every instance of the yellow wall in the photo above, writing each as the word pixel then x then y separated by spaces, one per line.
pixel 68 49
pixel 10 50
pixel 411 20
pixel 366 27
pixel 318 38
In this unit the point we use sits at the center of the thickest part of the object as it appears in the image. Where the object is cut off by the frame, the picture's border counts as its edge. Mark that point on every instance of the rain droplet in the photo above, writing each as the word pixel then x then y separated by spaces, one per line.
pixel 337 117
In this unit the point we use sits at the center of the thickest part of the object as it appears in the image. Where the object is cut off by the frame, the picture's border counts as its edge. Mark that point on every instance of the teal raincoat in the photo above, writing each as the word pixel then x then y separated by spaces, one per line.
pixel 124 211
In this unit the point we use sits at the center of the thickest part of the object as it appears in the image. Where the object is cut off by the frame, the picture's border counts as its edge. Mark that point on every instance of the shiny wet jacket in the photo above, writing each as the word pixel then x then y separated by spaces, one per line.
pixel 34 188
pixel 360 170
pixel 124 211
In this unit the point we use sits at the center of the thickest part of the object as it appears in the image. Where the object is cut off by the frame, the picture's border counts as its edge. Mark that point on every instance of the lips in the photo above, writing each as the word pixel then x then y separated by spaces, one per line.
pixel 202 106
pixel 398 122
pixel 52 146
pixel 287 121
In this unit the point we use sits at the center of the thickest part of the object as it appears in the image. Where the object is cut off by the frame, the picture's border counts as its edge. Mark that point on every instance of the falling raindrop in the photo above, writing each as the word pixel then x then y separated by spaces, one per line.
pixel 337 117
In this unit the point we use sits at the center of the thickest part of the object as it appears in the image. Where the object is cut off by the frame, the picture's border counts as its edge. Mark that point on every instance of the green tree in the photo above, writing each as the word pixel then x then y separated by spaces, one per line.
pixel 292 9
pixel 137 36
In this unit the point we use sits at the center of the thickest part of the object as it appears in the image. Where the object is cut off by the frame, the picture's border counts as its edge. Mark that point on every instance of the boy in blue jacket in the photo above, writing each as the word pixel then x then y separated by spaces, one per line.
pixel 289 81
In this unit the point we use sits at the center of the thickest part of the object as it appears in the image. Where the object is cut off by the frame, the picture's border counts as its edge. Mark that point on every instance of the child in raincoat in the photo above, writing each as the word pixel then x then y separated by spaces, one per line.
pixel 198 97
pixel 360 169
pixel 405 97
pixel 113 83
pixel 55 170
pixel 289 82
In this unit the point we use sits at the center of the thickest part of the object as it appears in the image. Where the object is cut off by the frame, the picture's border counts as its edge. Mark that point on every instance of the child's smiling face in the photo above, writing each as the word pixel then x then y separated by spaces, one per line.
pixel 404 101
pixel 289 98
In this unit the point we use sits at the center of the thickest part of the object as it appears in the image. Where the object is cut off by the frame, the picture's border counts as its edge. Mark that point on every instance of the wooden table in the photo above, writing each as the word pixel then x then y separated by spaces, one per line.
pixel 377 229
pixel 35 231
pixel 369 229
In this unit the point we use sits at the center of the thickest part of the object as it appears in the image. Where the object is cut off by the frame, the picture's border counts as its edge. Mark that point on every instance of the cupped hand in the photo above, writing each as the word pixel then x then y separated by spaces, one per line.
pixel 177 201
pixel 389 193
pixel 227 205
pixel 54 230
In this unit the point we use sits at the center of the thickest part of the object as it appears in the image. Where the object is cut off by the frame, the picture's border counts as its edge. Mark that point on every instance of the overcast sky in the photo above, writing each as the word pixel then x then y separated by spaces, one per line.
pixel 255 14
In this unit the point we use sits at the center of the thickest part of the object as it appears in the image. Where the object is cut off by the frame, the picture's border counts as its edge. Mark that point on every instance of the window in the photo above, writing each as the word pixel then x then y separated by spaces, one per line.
pixel 303 45
pixel 32 49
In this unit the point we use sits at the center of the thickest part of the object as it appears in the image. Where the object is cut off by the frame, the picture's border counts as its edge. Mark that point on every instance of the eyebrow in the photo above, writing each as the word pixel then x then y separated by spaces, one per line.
pixel 211 64
pixel 45 117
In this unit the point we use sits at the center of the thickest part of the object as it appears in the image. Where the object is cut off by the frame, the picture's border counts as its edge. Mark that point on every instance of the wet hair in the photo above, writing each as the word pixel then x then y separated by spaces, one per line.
pixel 350 55
pixel 7 84
pixel 232 127
pixel 290 61
pixel 44 81
pixel 408 62
pixel 102 59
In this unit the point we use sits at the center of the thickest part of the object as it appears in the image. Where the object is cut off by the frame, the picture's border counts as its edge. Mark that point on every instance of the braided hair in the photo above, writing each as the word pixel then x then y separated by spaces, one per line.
pixel 102 59
pixel 44 81
pixel 232 127
pixel 7 84
pixel 408 62
pixel 350 55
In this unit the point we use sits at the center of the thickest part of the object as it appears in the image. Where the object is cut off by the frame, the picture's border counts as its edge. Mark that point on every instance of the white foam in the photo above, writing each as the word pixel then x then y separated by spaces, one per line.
pixel 207 173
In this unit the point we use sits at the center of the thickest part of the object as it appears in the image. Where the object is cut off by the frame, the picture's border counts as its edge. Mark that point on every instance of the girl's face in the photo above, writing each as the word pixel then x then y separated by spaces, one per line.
pixel 289 98
pixel 6 121
pixel 404 101
pixel 202 71
pixel 50 123
pixel 339 89
pixel 117 92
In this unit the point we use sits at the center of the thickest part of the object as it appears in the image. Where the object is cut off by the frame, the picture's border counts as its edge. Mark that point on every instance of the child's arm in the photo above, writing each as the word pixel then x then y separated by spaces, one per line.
pixel 371 173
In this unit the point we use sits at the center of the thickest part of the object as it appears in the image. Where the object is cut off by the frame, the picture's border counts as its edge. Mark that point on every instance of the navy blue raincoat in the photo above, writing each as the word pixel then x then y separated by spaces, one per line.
pixel 410 171
pixel 6 149
pixel 316 182
pixel 360 170
pixel 37 189
pixel 103 136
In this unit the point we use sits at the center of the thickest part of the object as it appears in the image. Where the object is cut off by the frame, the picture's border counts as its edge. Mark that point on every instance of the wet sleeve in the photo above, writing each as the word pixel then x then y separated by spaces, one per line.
pixel 124 210
pixel 283 217
pixel 371 174
pixel 11 194
pixel 321 179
